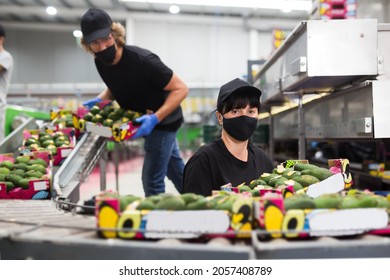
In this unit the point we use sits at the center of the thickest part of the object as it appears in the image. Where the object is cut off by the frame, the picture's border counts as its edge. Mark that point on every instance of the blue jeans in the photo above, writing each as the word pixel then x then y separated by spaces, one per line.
pixel 162 158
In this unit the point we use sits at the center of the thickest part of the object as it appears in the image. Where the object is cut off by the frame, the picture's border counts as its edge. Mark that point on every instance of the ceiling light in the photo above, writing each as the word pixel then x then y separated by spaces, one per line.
pixel 51 11
pixel 300 5
pixel 77 33
pixel 174 9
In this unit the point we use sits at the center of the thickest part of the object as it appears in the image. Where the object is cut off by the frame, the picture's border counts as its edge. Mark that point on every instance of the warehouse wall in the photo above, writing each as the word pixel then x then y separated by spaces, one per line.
pixel 202 54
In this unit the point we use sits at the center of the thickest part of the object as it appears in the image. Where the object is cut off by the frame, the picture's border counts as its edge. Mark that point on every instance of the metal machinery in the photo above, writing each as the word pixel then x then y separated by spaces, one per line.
pixel 331 78
pixel 341 61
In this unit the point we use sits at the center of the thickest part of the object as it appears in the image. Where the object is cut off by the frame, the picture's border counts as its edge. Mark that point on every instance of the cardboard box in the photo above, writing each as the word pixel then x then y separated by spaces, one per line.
pixel 37 189
pixel 152 224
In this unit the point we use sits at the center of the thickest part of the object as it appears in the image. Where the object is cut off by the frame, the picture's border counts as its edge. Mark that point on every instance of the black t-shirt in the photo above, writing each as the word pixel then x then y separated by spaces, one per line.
pixel 213 166
pixel 137 83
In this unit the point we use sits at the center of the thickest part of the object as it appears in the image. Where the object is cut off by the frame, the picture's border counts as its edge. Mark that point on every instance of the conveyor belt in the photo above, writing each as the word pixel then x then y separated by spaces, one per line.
pixel 360 246
pixel 38 230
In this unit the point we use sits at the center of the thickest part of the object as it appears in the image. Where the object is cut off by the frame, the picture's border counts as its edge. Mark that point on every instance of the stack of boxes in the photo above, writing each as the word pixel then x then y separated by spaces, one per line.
pixel 334 9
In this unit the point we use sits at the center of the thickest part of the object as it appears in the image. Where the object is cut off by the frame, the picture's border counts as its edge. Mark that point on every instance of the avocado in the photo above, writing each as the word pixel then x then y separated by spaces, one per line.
pixel 302 166
pixel 225 203
pixel 103 113
pixel 320 173
pixel 21 159
pixel 97 119
pixel 31 140
pixel 190 197
pixel 305 180
pixel 7 164
pixel 125 200
pixel 59 134
pixel 328 201
pixel 33 173
pixel 113 116
pixel 108 109
pixel 273 180
pixel 94 110
pixel 13 178
pixel 45 137
pixel 37 167
pixel 382 201
pixel 291 174
pixel 38 161
pixel 9 185
pixel 19 172
pixel 24 183
pixel 146 204
pixel 88 117
pixel 4 170
pixel 257 182
pixel 108 122
pixel 243 188
pixel 47 143
pixel 266 177
pixel 171 203
pixel 119 111
pixel 298 201
pixel 349 202
pixel 129 114
pixel 200 204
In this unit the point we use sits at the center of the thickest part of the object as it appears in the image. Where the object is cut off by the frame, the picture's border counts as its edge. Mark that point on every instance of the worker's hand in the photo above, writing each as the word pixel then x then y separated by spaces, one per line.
pixel 148 122
pixel 90 103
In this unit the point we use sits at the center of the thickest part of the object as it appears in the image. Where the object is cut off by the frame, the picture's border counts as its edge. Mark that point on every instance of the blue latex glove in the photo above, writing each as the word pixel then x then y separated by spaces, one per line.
pixel 90 103
pixel 148 122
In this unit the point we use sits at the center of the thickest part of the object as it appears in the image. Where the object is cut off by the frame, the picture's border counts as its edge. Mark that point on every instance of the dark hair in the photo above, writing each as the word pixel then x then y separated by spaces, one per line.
pixel 239 100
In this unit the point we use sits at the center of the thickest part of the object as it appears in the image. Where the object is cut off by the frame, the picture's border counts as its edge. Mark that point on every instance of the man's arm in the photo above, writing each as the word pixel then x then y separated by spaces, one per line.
pixel 106 94
pixel 178 91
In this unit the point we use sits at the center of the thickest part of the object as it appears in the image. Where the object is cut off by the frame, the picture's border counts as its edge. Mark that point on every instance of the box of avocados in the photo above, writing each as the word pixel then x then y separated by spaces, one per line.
pixel 59 143
pixel 165 215
pixel 108 120
pixel 62 119
pixel 25 177
pixel 324 205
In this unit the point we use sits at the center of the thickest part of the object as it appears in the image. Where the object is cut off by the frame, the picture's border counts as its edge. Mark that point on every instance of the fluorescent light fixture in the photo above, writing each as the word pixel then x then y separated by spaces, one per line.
pixel 174 9
pixel 300 5
pixel 77 33
pixel 51 11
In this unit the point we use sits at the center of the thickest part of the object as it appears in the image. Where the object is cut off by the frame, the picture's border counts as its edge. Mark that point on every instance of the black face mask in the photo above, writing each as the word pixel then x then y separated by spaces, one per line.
pixel 240 128
pixel 107 56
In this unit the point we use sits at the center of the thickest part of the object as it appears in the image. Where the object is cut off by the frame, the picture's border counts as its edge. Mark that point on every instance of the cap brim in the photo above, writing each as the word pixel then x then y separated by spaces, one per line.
pixel 98 34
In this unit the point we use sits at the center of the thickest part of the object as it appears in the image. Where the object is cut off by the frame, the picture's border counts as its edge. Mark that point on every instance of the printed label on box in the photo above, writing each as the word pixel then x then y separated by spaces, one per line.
pixel 40 186
pixel 65 152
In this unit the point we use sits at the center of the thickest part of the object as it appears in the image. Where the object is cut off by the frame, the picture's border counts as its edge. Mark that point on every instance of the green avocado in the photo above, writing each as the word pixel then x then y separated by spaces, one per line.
pixel 4 170
pixel 146 204
pixel 94 110
pixel 24 183
pixel 22 159
pixel 37 167
pixel 13 178
pixel 171 203
pixel 7 164
pixel 38 161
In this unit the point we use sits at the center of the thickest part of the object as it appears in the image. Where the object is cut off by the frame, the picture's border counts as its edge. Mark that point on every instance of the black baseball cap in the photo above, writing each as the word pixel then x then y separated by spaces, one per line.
pixel 2 31
pixel 235 86
pixel 95 24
